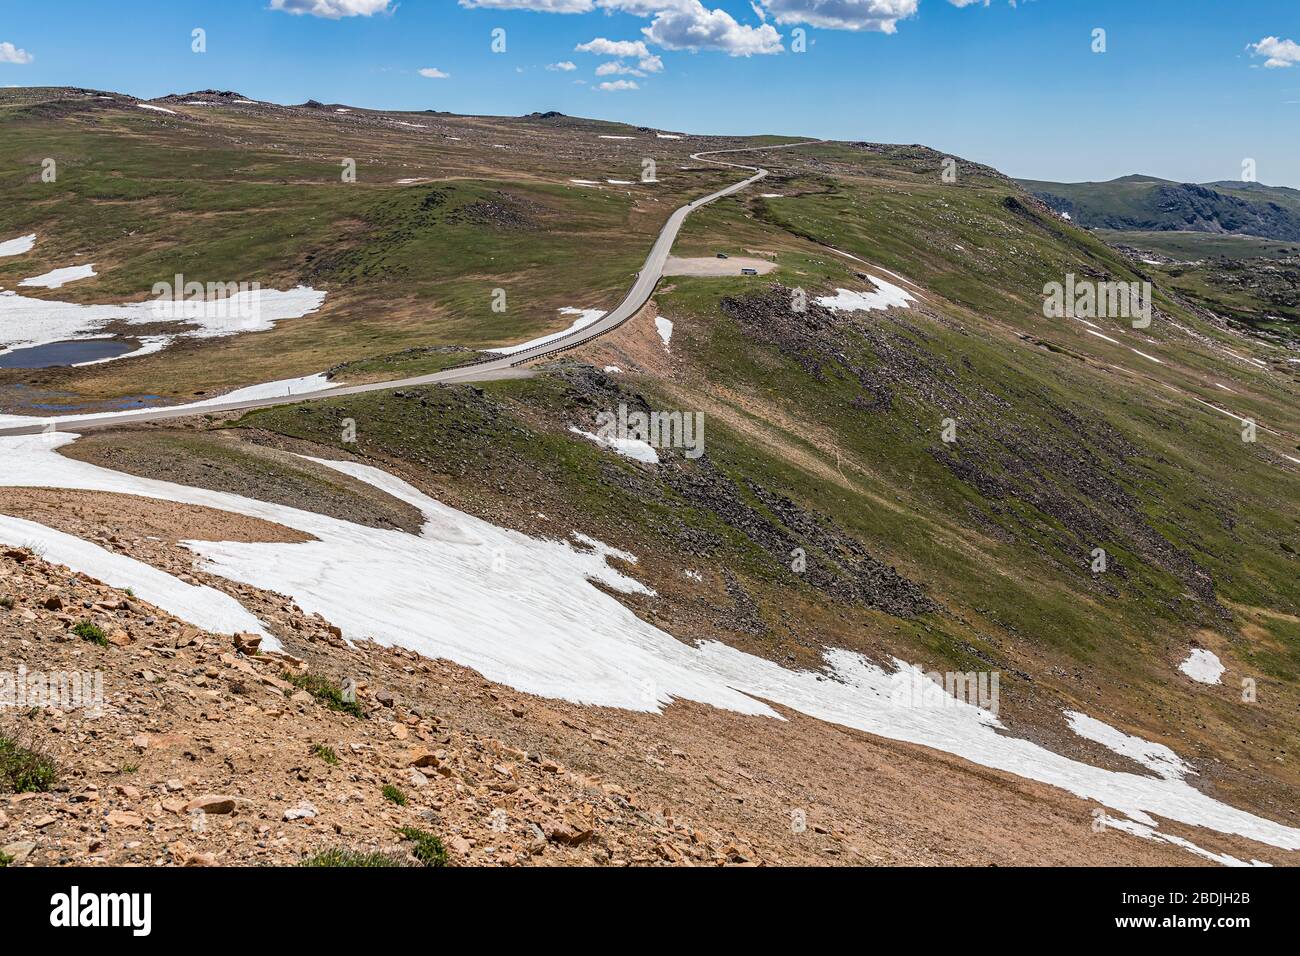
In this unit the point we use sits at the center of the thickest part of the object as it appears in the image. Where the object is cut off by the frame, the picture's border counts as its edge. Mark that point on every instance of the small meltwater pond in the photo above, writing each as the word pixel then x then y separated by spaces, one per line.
pixel 71 352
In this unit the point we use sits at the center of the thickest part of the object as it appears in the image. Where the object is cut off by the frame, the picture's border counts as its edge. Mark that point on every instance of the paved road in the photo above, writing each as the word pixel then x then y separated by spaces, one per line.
pixel 500 367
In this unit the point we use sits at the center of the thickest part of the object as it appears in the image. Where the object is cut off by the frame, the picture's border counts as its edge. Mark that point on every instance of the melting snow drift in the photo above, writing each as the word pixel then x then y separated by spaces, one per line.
pixel 16 247
pixel 886 296
pixel 1154 756
pixel 204 607
pixel 665 329
pixel 584 318
pixel 633 448
pixel 25 321
pixel 61 277
pixel 1202 666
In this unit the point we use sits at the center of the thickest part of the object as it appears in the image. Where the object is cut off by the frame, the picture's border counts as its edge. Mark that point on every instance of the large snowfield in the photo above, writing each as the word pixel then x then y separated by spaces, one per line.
pixel 27 322
pixel 524 612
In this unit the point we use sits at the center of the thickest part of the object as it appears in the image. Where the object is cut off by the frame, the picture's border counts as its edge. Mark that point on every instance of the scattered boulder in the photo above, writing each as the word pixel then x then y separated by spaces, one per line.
pixel 212 803
pixel 248 644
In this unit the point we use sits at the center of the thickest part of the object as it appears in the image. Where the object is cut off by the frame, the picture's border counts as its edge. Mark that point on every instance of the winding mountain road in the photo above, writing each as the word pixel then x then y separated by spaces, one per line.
pixel 500 367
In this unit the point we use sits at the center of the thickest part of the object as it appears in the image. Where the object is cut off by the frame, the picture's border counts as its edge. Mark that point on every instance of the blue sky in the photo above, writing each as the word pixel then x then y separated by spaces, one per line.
pixel 1181 91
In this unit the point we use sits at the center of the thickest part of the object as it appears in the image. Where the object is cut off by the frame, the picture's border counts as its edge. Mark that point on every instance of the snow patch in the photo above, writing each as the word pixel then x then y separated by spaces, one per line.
pixel 27 321
pixel 202 606
pixel 60 277
pixel 16 247
pixel 156 109
pixel 665 329
pixel 1101 336
pixel 1153 756
pixel 585 317
pixel 1150 833
pixel 1203 666
pixel 886 296
pixel 632 448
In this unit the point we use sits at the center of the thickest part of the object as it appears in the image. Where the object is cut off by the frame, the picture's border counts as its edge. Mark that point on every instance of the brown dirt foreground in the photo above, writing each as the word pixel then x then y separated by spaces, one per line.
pixel 194 720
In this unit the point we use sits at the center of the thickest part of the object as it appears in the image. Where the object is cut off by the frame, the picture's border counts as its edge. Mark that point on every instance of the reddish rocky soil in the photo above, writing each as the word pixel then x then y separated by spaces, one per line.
pixel 199 722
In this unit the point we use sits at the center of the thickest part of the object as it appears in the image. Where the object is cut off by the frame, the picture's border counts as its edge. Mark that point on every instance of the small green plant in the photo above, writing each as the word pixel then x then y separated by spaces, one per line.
pixel 339 857
pixel 90 632
pixel 325 753
pixel 130 767
pixel 130 592
pixel 428 848
pixel 23 768
pixel 394 795
pixel 5 860
pixel 7 603
pixel 325 691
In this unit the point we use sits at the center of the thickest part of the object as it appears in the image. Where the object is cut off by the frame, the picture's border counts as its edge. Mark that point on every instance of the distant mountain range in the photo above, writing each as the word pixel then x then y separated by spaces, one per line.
pixel 1145 203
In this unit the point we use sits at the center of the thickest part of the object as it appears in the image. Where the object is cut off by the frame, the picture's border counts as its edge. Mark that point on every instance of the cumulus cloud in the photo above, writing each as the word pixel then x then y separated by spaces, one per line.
pixel 615 86
pixel 564 66
pixel 689 25
pixel 603 47
pixel 434 74
pixel 617 68
pixel 1281 54
pixel 11 54
pixel 878 15
pixel 538 6
pixel 641 8
pixel 332 9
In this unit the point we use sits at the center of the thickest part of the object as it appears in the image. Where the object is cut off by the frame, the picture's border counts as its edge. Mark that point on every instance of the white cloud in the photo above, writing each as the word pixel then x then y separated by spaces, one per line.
pixel 878 15
pixel 617 68
pixel 651 64
pixel 603 47
pixel 565 66
pixel 615 86
pixel 641 8
pixel 332 9
pixel 11 54
pixel 537 6
pixel 434 74
pixel 1281 53
pixel 689 25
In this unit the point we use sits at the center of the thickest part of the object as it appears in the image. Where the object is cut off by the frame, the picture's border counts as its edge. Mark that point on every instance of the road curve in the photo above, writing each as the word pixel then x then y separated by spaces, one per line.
pixel 500 367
